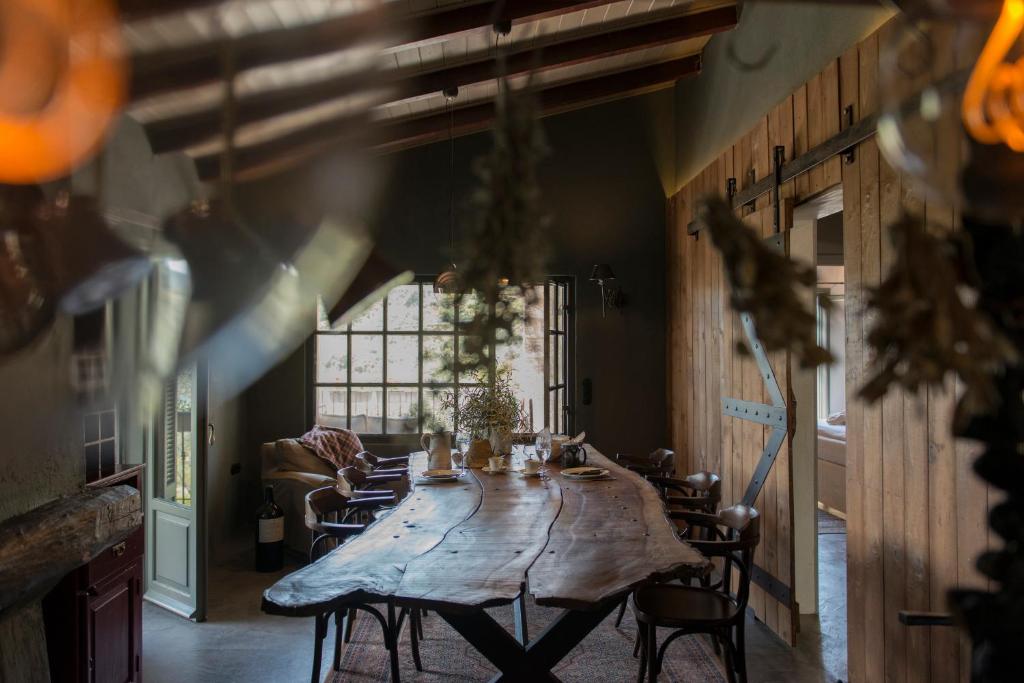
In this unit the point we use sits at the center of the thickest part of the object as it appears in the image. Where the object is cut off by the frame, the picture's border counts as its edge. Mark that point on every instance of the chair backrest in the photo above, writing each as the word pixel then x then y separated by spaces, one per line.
pixel 664 460
pixel 732 534
pixel 366 461
pixel 356 477
pixel 323 504
pixel 700 491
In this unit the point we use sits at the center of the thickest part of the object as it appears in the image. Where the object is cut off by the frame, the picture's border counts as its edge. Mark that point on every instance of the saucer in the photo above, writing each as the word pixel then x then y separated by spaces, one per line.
pixel 488 470
pixel 524 473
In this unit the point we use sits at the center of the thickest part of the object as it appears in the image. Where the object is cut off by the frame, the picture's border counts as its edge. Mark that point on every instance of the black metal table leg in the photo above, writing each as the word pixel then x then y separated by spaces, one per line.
pixel 496 644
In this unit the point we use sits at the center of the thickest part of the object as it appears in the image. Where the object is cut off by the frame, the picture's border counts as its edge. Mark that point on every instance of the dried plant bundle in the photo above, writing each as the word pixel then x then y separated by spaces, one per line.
pixel 764 284
pixel 927 324
pixel 487 406
pixel 505 248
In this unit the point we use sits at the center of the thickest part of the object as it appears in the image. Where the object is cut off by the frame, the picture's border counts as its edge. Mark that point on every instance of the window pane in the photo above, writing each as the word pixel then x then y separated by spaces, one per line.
pixel 438 310
pixel 179 440
pixel 437 358
pixel 332 406
pixel 403 411
pixel 403 360
pixel 560 308
pixel 367 358
pixel 367 410
pixel 371 320
pixel 331 358
pixel 322 323
pixel 404 308
pixel 466 357
pixel 551 306
pixel 470 305
pixel 434 409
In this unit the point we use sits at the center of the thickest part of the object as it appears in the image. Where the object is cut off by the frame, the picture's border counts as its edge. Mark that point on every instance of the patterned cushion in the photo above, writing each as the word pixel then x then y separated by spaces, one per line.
pixel 335 446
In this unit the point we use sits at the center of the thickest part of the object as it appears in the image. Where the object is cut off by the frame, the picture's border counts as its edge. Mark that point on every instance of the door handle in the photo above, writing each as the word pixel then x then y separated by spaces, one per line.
pixel 211 434
pixel 118 550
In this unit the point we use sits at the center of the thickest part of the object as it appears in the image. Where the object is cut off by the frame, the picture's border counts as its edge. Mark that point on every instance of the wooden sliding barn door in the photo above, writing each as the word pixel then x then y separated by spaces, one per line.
pixel 751 440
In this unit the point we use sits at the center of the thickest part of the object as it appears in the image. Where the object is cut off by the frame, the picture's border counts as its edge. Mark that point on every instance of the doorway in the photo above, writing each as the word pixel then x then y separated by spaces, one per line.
pixel 176 497
pixel 819 443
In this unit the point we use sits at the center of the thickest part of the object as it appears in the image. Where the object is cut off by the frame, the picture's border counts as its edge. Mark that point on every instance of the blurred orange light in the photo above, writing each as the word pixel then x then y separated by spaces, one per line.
pixel 62 81
pixel 993 104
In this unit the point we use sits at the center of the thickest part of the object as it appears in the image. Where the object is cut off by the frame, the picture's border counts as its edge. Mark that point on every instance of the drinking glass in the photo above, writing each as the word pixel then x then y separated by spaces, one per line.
pixel 462 442
pixel 543 448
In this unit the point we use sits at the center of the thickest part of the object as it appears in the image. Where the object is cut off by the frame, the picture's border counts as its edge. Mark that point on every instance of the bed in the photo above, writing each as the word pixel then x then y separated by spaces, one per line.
pixel 832 464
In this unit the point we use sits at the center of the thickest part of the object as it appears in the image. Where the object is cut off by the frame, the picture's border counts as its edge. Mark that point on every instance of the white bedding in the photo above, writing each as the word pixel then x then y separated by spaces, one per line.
pixel 837 432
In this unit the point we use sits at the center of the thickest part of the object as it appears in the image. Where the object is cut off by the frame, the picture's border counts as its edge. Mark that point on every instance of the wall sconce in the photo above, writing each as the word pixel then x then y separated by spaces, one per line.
pixel 611 297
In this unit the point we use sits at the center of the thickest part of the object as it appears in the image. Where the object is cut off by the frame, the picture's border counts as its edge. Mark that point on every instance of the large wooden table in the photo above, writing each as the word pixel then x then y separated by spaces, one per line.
pixel 458 548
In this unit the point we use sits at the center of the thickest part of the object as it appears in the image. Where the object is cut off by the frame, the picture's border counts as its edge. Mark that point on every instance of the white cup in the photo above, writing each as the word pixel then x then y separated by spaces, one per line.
pixel 496 462
pixel 531 466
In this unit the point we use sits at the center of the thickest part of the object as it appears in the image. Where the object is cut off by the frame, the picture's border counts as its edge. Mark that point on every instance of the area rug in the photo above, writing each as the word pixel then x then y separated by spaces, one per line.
pixel 830 524
pixel 605 655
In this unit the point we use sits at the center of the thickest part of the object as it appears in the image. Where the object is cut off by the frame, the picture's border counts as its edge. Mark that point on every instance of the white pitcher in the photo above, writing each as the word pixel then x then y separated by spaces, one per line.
pixel 439 448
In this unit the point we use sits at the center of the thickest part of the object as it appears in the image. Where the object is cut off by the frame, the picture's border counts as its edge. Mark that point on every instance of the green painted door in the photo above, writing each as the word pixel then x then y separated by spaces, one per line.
pixel 175 519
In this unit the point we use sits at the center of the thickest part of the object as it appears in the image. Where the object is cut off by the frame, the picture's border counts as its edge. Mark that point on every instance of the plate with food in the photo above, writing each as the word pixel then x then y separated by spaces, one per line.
pixel 585 473
pixel 440 475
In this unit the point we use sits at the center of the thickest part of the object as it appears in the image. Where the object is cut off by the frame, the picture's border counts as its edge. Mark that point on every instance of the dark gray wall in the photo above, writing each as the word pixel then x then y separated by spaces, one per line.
pixel 603 187
pixel 794 40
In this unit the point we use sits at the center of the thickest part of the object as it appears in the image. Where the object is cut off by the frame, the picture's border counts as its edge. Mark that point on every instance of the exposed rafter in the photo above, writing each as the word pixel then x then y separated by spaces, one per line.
pixel 308 143
pixel 191 65
pixel 190 129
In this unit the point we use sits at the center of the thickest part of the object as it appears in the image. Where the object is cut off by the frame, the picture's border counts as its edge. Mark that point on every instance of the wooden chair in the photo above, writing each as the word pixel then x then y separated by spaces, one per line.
pixel 370 463
pixel 661 462
pixel 718 610
pixel 700 492
pixel 360 480
pixel 326 512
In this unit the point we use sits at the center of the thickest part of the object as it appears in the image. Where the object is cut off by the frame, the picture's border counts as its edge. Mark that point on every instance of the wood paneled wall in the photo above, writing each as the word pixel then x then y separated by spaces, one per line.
pixel 916 513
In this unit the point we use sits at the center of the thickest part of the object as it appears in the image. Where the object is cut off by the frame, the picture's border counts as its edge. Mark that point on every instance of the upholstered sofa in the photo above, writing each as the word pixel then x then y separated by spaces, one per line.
pixel 293 470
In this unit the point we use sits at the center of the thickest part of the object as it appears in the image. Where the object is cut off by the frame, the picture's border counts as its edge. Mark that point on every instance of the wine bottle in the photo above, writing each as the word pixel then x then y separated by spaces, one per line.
pixel 269 534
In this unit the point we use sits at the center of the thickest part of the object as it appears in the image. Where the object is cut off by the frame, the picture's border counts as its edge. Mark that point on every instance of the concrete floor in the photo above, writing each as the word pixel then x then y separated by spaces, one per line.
pixel 240 643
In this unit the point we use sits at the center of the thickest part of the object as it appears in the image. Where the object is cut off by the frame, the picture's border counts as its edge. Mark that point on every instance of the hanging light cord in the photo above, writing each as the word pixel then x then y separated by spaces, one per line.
pixel 451 179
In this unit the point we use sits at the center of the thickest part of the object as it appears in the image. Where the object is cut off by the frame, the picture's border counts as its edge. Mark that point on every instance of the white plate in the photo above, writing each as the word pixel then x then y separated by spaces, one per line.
pixel 424 481
pixel 441 474
pixel 585 473
pixel 488 470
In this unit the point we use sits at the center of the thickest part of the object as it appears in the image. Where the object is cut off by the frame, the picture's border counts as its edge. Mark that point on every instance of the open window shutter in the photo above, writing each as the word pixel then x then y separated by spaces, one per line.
pixel 170 424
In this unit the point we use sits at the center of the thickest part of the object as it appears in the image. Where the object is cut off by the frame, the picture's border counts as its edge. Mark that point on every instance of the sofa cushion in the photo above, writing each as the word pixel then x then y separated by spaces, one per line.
pixel 292 456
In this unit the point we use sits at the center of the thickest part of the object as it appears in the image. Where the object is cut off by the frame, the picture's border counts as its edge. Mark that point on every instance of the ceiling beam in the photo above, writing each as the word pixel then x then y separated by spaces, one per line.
pixel 306 144
pixel 183 131
pixel 194 65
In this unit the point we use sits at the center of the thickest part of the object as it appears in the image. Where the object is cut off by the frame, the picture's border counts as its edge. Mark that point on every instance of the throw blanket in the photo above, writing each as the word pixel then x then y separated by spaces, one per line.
pixel 337 447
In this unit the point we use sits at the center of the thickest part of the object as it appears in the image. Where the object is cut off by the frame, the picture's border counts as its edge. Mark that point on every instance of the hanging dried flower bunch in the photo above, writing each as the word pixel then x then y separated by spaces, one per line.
pixel 927 323
pixel 763 283
pixel 505 247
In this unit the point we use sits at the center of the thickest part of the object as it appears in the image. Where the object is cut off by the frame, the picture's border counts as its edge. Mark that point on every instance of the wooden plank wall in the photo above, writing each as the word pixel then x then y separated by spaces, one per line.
pixel 916 511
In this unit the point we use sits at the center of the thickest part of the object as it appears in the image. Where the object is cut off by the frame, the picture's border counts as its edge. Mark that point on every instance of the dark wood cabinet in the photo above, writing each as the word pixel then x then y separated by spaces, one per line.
pixel 94 615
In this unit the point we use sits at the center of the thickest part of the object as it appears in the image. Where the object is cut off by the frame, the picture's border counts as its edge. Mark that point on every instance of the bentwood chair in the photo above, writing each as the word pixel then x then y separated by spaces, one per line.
pixel 370 463
pixel 661 462
pixel 700 492
pixel 718 610
pixel 326 512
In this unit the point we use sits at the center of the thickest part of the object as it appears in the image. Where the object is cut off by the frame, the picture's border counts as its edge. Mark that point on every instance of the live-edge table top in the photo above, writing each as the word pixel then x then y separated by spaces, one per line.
pixel 475 543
